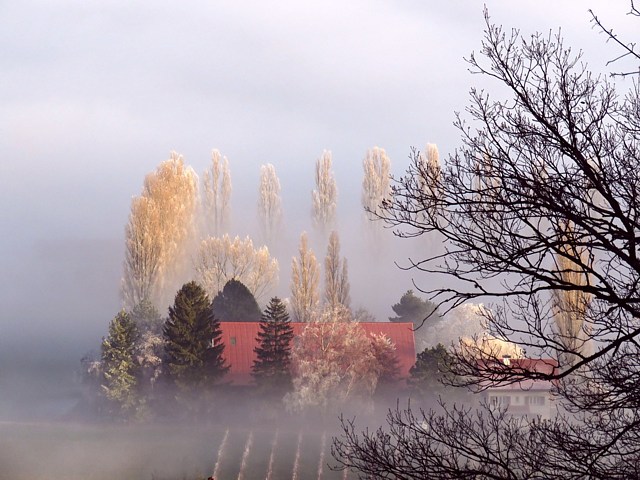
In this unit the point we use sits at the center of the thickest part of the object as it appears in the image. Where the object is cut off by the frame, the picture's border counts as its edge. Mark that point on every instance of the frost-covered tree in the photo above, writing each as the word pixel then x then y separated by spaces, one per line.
pixel 375 182
pixel 463 322
pixel 216 200
pixel 221 259
pixel 325 195
pixel 235 303
pixel 119 366
pixel 193 347
pixel 143 263
pixel 269 204
pixel 272 368
pixel 336 276
pixel 159 233
pixel 305 276
pixel 149 347
pixel 334 362
pixel 430 156
pixel 387 361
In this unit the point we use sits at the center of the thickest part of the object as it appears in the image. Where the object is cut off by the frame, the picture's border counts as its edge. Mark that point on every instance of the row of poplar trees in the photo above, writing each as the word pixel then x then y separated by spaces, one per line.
pixel 189 367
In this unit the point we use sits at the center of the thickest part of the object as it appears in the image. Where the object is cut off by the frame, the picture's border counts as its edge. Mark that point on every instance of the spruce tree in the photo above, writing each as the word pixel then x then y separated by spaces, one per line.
pixel 119 366
pixel 272 368
pixel 193 346
pixel 236 303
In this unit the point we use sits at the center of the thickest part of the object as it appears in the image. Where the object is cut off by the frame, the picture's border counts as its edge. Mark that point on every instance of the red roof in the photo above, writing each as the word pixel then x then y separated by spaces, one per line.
pixel 545 366
pixel 239 340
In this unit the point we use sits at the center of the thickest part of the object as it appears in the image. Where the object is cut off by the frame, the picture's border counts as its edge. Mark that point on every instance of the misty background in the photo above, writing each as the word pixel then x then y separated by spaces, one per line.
pixel 95 96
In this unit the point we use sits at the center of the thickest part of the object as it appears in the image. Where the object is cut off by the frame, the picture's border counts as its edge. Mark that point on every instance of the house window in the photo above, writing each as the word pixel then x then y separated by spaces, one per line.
pixel 535 400
pixel 232 340
pixel 500 400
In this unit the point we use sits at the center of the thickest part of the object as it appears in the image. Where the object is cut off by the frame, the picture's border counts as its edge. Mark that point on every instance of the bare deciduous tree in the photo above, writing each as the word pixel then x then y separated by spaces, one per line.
pixel 325 195
pixel 563 150
pixel 269 203
pixel 221 259
pixel 628 48
pixel 305 275
pixel 217 195
pixel 336 275
pixel 158 234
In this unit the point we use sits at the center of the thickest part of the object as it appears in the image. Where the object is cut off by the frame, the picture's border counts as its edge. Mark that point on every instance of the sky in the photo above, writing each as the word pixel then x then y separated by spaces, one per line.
pixel 94 95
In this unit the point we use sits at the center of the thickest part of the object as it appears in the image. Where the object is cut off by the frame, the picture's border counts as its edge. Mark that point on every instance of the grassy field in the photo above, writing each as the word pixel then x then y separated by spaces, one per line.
pixel 52 451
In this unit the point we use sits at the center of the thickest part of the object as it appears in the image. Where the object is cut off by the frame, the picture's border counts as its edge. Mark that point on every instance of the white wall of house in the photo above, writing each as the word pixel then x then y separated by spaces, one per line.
pixel 522 402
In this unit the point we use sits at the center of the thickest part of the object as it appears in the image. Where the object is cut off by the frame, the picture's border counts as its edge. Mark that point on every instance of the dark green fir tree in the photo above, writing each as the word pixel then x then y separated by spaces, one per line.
pixel 272 368
pixel 119 366
pixel 193 346
pixel 235 303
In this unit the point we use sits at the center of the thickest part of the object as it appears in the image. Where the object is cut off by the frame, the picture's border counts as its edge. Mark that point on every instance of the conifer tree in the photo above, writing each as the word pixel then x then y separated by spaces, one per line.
pixel 272 368
pixel 193 348
pixel 235 303
pixel 119 366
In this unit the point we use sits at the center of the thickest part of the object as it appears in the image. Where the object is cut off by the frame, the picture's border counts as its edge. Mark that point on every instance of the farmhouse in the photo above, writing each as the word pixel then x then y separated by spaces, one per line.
pixel 240 341
pixel 528 397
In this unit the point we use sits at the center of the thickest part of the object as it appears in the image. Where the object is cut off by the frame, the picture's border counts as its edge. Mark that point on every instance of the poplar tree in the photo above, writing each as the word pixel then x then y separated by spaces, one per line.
pixel 159 233
pixel 325 195
pixel 217 195
pixel 305 276
pixel 336 277
pixel 376 181
pixel 272 368
pixel 269 203
pixel 119 366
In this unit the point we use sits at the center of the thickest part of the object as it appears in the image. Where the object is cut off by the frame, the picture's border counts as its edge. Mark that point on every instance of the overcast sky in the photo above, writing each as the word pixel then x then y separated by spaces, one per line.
pixel 94 95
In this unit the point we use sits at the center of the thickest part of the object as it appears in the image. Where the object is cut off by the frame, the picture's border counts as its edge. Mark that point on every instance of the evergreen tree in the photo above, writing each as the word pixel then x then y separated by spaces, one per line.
pixel 272 368
pixel 235 303
pixel 146 317
pixel 425 377
pixel 413 309
pixel 193 349
pixel 119 365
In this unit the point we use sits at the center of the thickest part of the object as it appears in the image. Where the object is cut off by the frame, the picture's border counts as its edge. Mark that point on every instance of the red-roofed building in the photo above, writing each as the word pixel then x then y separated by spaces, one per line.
pixel 527 397
pixel 239 339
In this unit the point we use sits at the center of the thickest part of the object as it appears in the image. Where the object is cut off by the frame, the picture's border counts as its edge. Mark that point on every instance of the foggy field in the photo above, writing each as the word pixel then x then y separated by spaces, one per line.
pixel 70 451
